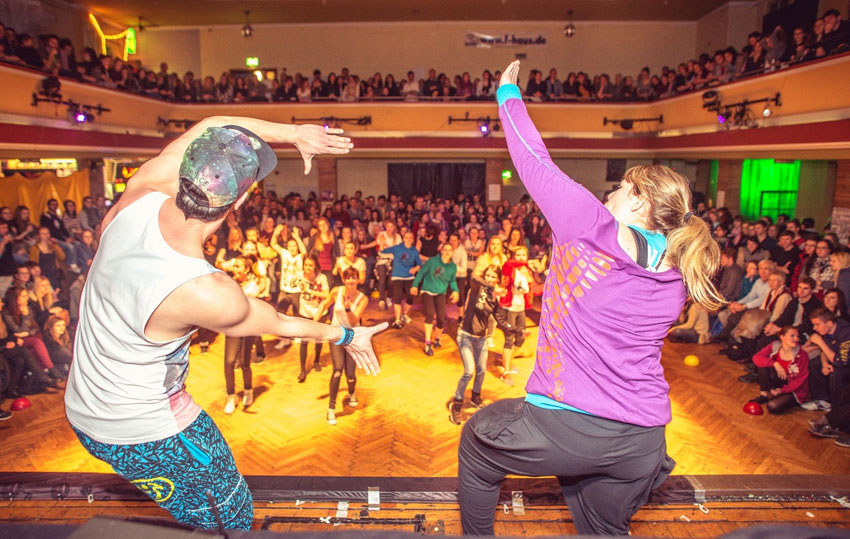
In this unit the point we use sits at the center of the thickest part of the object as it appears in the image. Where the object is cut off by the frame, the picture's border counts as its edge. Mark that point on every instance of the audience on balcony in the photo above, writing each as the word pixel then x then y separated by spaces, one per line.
pixel 762 53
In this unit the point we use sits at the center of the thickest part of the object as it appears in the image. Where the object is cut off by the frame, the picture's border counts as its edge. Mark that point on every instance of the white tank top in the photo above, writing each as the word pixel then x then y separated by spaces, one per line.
pixel 125 388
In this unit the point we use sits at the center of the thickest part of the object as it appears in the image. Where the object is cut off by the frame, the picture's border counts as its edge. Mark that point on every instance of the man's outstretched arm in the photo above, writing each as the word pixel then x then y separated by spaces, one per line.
pixel 217 303
pixel 161 172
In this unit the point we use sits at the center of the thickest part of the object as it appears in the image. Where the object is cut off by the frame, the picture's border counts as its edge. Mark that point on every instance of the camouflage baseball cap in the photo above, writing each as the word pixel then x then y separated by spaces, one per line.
pixel 224 162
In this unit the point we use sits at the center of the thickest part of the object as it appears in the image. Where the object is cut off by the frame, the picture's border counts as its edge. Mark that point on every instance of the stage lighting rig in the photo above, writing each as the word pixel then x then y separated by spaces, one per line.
pixel 185 123
pixel 739 113
pixel 333 121
pixel 78 112
pixel 486 125
pixel 628 123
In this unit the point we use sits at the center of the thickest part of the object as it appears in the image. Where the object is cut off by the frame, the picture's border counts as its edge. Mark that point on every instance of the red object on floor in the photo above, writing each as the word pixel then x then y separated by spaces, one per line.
pixel 753 408
pixel 21 404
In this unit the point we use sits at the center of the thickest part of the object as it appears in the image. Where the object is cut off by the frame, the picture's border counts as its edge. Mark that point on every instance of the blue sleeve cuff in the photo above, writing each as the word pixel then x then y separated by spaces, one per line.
pixel 508 91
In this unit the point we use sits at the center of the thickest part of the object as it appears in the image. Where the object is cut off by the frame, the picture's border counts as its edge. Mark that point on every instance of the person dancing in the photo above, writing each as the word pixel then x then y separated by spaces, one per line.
pixel 597 402
pixel 314 291
pixel 349 305
pixel 126 397
pixel 481 305
pixel 406 263
pixel 437 276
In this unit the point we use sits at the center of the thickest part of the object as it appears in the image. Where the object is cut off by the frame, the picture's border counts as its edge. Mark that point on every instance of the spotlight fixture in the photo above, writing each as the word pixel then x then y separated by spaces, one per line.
pixel 247 30
pixel 766 112
pixel 486 124
pixel 711 100
pixel 628 123
pixel 81 117
pixel 723 116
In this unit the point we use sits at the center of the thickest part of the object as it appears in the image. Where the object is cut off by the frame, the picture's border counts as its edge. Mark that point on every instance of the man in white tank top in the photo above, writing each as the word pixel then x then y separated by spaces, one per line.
pixel 150 288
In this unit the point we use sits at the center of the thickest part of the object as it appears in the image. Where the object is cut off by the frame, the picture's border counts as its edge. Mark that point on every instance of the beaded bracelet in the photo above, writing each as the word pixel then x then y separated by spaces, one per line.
pixel 347 337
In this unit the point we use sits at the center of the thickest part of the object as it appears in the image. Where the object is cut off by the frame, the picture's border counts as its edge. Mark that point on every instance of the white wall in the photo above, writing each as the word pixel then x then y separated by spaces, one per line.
pixel 289 176
pixel 398 47
pixel 181 49
pixel 367 175
pixel 729 24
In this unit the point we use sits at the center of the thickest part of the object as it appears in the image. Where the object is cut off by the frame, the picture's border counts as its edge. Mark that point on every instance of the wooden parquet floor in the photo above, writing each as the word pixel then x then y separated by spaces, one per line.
pixel 401 427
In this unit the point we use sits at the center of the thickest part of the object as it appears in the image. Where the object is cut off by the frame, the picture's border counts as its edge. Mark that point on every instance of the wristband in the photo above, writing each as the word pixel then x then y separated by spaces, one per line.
pixel 347 337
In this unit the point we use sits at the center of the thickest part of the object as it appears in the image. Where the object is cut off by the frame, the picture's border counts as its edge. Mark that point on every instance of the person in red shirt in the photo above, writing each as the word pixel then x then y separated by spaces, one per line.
pixel 783 372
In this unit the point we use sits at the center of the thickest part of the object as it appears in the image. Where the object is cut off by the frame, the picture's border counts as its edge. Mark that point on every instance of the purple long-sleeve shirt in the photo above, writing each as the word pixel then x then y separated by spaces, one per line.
pixel 604 317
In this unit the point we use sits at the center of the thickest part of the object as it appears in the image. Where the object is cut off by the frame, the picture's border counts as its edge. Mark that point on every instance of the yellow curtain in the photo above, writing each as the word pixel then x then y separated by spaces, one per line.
pixel 16 190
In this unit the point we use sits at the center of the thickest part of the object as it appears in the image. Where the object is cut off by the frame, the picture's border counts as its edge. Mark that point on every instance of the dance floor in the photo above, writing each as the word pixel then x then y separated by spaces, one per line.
pixel 401 429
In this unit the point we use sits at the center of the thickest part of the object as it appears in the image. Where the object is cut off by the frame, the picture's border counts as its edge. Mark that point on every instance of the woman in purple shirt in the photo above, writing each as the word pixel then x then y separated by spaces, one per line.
pixel 597 401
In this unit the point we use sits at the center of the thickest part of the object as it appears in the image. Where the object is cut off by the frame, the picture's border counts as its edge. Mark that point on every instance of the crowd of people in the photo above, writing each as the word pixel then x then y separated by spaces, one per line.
pixel 826 36
pixel 786 322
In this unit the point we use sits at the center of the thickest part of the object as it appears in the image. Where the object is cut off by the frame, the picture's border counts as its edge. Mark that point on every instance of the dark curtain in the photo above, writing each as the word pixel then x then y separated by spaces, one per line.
pixel 443 180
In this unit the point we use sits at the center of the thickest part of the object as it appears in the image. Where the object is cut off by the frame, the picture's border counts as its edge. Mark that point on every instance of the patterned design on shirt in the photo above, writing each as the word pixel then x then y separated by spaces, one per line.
pixel 574 269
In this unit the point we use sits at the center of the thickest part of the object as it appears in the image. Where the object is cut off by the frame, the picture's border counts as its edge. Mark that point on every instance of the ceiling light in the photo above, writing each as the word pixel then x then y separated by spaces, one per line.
pixel 247 30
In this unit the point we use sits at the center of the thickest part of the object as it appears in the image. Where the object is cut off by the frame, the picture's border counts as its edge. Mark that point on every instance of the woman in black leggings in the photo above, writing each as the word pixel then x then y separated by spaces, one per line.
pixel 311 305
pixel 349 305
pixel 238 349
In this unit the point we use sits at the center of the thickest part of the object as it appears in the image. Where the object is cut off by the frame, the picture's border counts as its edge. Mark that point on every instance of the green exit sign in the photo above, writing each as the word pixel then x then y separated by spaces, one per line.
pixel 507 174
pixel 252 61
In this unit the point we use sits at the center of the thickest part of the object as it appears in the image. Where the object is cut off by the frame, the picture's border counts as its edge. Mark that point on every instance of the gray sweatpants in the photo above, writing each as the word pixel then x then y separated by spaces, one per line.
pixel 606 468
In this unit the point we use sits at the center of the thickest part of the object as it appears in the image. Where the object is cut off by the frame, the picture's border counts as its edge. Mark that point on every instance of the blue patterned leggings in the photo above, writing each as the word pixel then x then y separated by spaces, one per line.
pixel 181 471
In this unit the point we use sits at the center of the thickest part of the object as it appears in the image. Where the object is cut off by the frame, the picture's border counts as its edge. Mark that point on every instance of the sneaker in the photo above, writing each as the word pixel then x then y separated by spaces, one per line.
pixel 317 365
pixel 824 431
pixel 491 343
pixel 248 398
pixel 397 324
pixel 816 423
pixel 282 343
pixel 258 359
pixel 814 406
pixel 352 400
pixel 748 378
pixel 4 415
pixel 761 399
pixel 331 417
pixel 455 414
pixel 476 400
pixel 382 305
pixel 406 319
pixel 437 343
pixel 302 377
pixel 230 404
pixel 843 442
pixel 428 350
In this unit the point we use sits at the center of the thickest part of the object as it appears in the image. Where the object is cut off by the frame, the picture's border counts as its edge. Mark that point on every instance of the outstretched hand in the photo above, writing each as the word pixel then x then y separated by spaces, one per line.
pixel 315 140
pixel 361 349
pixel 509 76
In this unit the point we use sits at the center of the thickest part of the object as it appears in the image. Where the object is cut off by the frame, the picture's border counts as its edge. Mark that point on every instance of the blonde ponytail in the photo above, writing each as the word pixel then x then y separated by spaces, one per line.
pixel 692 250
pixel 690 247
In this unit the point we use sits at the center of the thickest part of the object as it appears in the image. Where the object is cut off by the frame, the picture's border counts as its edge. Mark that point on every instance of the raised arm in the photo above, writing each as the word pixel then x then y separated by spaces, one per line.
pixel 161 172
pixel 570 208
